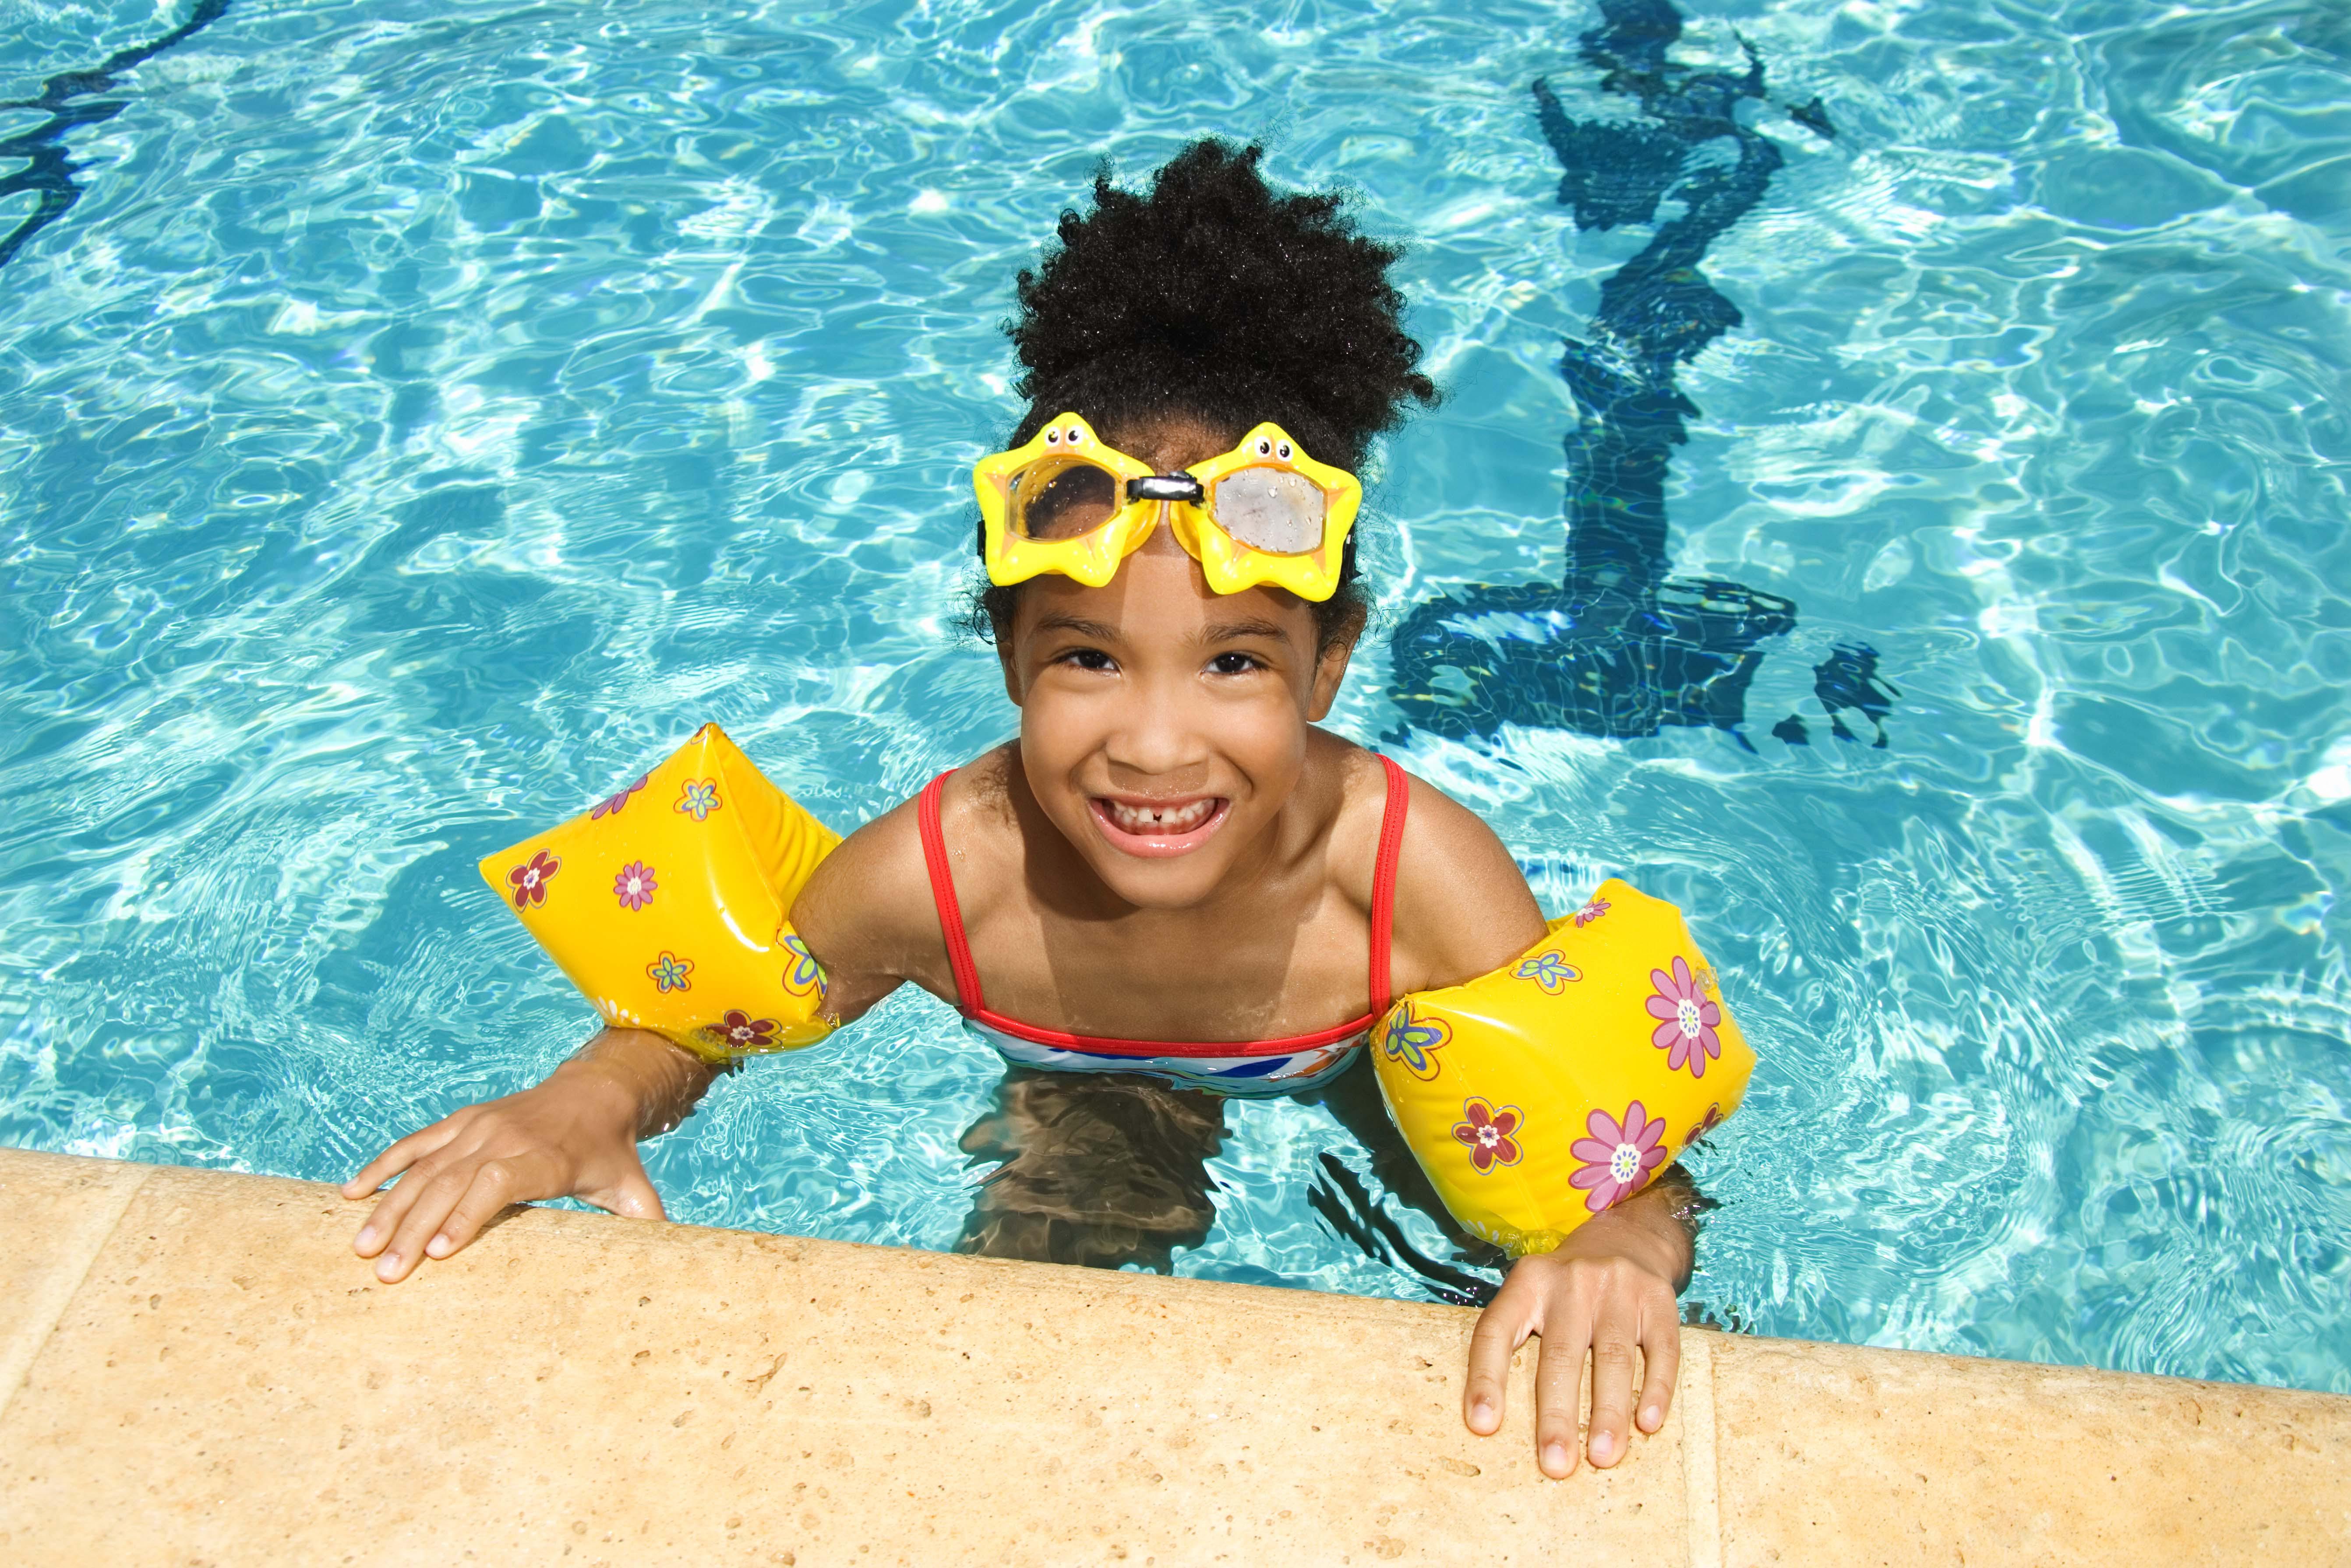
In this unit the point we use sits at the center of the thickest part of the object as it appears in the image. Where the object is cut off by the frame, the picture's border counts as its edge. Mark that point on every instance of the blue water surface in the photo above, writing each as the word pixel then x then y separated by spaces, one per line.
pixel 417 417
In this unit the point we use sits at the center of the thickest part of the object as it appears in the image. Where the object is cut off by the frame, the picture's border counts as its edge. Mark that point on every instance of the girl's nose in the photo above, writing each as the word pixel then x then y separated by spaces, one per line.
pixel 1159 746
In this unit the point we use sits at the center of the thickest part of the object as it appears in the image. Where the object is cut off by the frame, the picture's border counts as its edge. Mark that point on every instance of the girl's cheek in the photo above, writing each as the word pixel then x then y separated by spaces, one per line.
pixel 1267 742
pixel 1051 734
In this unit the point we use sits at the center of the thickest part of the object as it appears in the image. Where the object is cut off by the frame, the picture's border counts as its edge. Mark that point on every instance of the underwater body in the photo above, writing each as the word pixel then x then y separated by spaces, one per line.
pixel 417 421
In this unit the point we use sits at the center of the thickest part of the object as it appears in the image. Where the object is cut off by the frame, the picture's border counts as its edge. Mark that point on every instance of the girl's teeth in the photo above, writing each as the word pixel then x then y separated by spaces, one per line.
pixel 1160 819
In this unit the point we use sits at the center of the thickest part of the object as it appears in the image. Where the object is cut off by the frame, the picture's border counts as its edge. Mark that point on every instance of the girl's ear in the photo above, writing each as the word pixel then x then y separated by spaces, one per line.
pixel 1330 667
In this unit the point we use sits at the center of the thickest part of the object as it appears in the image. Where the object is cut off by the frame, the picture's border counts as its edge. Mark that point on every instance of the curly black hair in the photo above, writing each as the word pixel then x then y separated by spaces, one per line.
pixel 1217 300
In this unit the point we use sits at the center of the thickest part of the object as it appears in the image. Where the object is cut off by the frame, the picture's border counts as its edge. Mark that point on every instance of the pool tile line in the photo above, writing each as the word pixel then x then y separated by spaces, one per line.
pixel 45 1277
pixel 1701 1467
pixel 50 168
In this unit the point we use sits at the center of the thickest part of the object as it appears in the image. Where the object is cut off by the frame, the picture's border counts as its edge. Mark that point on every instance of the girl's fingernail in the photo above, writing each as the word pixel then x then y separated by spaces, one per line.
pixel 1649 1418
pixel 367 1235
pixel 1602 1445
pixel 1555 1456
pixel 438 1247
pixel 387 1266
pixel 1481 1412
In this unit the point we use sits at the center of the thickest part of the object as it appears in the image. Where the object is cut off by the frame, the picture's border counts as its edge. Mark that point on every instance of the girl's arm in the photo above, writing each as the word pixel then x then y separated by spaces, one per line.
pixel 1463 909
pixel 575 1135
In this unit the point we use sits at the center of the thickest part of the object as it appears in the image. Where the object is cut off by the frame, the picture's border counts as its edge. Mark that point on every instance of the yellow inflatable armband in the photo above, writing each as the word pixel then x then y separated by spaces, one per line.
pixel 1562 1083
pixel 667 904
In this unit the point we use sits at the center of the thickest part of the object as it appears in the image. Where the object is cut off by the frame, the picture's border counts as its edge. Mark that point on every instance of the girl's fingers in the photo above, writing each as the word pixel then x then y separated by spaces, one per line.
pixel 1503 1327
pixel 497 1184
pixel 1661 1362
pixel 1559 1390
pixel 399 1156
pixel 434 1199
pixel 1612 1381
pixel 391 1209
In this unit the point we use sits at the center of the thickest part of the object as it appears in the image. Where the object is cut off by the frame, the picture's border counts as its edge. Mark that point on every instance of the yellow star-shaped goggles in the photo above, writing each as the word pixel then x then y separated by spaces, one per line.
pixel 1264 513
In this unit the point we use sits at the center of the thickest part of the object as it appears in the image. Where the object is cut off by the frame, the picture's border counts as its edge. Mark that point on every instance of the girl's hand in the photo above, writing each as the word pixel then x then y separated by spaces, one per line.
pixel 1609 1288
pixel 574 1135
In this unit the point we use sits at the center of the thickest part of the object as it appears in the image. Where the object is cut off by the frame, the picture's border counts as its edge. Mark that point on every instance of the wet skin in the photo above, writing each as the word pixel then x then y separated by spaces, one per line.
pixel 1171 850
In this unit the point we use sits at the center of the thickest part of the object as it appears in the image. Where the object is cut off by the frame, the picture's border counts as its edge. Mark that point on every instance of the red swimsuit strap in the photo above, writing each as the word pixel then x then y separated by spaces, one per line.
pixel 969 997
pixel 1383 871
pixel 943 894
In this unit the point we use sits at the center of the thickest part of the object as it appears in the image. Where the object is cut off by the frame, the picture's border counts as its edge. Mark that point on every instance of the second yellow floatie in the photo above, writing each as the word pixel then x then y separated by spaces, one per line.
pixel 1540 1095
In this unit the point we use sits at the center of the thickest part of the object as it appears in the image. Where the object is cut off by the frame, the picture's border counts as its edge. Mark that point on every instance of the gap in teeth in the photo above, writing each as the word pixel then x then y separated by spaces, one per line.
pixel 1160 819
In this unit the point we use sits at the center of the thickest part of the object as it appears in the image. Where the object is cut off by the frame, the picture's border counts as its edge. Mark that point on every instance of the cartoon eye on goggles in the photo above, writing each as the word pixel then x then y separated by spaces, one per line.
pixel 1264 514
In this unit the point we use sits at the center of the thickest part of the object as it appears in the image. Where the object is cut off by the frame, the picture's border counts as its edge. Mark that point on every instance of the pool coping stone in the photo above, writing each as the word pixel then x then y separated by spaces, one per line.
pixel 194 1366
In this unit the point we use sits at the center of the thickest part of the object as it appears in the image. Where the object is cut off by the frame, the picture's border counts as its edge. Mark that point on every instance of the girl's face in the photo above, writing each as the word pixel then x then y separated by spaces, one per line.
pixel 1162 726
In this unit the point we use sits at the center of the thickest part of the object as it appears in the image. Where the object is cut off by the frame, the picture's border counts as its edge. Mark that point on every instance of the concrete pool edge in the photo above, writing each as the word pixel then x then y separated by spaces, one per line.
pixel 194 1365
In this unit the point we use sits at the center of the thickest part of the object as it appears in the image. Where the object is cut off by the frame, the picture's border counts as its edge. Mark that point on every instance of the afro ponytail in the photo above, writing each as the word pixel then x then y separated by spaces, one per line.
pixel 1215 297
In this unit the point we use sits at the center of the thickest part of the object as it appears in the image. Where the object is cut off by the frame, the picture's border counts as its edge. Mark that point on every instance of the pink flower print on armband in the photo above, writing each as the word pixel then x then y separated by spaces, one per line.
pixel 739 1031
pixel 1706 1123
pixel 1590 912
pixel 806 974
pixel 530 881
pixel 699 799
pixel 1551 970
pixel 669 972
pixel 1618 1156
pixel 608 807
pixel 1412 1041
pixel 634 887
pixel 1687 1032
pixel 1489 1133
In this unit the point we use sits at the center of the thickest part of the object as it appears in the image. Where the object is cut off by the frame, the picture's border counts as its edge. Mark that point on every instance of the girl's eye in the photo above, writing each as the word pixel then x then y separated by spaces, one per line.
pixel 1088 659
pixel 1232 664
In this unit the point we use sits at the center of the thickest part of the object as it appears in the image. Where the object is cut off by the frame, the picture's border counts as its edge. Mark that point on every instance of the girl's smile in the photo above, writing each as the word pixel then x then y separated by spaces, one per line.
pixel 1136 825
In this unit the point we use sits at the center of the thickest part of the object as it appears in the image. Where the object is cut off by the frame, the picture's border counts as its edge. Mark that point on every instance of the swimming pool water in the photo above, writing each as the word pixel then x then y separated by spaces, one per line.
pixel 424 415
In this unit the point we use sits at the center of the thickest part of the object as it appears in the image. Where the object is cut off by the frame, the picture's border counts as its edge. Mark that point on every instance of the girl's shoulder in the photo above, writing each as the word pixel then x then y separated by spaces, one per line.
pixel 1462 906
pixel 870 906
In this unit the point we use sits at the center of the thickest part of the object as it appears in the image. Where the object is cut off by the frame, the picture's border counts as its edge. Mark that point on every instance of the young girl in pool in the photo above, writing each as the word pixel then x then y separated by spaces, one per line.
pixel 1171 856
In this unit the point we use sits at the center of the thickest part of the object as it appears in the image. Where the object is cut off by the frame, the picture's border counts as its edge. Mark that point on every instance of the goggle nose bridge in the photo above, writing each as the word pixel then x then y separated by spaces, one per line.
pixel 1165 487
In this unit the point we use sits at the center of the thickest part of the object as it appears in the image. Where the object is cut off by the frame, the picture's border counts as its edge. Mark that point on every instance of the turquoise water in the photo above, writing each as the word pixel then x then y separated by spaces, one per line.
pixel 426 414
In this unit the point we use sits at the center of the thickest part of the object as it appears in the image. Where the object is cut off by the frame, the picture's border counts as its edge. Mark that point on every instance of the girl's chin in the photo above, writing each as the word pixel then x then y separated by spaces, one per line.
pixel 1155 845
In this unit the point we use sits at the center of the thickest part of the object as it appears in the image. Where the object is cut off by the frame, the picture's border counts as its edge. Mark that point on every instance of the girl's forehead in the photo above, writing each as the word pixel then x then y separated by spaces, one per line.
pixel 1159 592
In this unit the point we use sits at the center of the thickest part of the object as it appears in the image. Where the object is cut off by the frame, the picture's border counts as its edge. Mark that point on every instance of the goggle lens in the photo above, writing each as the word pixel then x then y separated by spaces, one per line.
pixel 1270 509
pixel 1062 498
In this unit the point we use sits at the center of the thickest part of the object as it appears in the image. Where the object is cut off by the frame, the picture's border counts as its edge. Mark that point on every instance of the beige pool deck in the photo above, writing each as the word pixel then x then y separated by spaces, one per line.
pixel 194 1369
